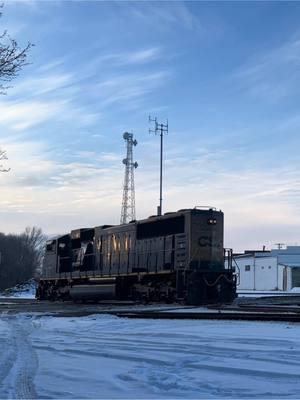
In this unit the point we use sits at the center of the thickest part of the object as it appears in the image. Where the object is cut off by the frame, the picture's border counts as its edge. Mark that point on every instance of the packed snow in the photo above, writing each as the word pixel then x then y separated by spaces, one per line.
pixel 104 356
pixel 295 289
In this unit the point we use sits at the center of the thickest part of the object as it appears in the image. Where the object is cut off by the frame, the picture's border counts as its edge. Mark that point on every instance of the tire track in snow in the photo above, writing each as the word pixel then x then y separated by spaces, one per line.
pixel 20 372
pixel 8 355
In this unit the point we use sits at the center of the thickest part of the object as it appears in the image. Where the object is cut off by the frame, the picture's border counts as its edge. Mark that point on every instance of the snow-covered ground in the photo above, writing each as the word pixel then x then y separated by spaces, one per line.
pixel 24 291
pixel 108 357
pixel 268 293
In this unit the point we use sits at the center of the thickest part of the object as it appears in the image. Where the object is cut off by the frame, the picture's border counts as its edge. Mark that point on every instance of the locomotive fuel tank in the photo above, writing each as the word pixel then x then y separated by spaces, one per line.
pixel 105 290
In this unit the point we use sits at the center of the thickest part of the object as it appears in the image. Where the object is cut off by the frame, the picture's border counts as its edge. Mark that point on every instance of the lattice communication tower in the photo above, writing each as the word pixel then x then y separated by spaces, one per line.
pixel 128 203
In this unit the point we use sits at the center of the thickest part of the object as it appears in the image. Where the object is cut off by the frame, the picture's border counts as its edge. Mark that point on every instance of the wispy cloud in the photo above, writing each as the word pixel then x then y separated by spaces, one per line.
pixel 137 57
pixel 163 15
pixel 23 115
pixel 42 84
pixel 274 74
pixel 20 116
pixel 55 94
pixel 125 88
pixel 52 65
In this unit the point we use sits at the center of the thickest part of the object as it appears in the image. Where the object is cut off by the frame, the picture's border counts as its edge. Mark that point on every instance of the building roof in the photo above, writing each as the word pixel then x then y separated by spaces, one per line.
pixel 290 256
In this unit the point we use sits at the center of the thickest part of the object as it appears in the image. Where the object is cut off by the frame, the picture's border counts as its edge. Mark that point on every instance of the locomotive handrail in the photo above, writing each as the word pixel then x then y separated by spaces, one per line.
pixel 228 253
pixel 238 275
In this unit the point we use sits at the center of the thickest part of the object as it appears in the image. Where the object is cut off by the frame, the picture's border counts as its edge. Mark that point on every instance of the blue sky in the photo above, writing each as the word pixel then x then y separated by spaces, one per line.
pixel 225 74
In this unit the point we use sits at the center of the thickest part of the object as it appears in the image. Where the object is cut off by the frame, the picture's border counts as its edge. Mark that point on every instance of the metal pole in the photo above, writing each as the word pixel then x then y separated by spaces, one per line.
pixel 160 129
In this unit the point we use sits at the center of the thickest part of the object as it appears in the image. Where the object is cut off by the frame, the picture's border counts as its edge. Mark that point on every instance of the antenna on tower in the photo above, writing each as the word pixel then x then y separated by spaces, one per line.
pixel 161 130
pixel 128 203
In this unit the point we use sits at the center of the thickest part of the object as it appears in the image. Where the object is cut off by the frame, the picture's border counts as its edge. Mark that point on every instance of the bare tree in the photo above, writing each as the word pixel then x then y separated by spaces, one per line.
pixel 3 156
pixel 21 256
pixel 35 240
pixel 12 59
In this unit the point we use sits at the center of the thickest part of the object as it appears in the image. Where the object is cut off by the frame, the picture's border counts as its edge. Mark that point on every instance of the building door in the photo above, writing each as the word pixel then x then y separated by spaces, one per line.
pixel 284 283
pixel 296 277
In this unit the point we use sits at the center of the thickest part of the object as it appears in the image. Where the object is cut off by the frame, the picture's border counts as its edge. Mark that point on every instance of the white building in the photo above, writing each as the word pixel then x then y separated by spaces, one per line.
pixel 274 270
pixel 290 256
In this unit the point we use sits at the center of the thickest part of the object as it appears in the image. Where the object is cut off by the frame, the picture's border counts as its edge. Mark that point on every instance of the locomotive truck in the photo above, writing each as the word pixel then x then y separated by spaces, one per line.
pixel 176 257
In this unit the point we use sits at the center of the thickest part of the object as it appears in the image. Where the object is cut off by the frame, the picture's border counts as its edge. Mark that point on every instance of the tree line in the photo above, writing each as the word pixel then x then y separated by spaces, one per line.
pixel 21 256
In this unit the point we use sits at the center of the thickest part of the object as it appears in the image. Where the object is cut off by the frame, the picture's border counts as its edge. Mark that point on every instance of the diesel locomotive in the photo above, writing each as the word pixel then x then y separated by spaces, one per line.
pixel 176 257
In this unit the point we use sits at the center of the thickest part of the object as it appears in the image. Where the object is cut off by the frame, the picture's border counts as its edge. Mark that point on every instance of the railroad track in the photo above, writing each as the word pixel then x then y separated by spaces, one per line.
pixel 230 316
pixel 246 312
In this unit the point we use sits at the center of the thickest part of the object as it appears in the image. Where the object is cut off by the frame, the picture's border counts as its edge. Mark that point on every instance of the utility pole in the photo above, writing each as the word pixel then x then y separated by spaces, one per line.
pixel 161 130
pixel 128 203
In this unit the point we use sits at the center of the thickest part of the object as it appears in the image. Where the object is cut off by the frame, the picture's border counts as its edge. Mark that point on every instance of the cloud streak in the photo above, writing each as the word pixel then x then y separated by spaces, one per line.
pixel 164 17
pixel 273 75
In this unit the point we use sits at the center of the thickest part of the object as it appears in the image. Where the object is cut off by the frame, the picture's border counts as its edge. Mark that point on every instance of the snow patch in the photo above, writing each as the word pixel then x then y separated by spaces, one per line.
pixel 295 290
pixel 24 291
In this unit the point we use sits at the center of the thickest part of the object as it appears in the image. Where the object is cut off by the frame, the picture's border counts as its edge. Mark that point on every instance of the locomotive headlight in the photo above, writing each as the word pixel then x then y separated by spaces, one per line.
pixel 212 221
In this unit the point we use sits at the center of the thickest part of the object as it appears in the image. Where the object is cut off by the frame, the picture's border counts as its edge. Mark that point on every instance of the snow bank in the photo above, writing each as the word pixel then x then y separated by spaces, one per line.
pixel 25 290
